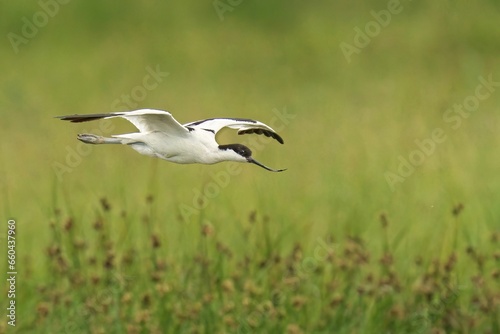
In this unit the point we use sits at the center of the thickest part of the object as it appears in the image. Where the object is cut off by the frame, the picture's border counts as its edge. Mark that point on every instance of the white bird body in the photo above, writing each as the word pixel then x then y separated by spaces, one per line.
pixel 181 150
pixel 161 136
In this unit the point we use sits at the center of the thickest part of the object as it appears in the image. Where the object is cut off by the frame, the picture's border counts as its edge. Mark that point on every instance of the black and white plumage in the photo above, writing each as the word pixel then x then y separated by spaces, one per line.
pixel 161 136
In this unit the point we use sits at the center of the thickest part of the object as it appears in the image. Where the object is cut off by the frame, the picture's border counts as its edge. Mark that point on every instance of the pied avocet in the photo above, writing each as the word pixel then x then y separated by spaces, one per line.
pixel 161 136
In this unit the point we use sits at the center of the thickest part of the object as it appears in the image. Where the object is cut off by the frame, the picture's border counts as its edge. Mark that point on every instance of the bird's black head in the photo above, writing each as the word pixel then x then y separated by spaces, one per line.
pixel 245 153
pixel 242 150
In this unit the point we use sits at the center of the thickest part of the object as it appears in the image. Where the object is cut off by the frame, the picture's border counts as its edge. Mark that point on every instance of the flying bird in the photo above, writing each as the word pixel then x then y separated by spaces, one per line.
pixel 161 136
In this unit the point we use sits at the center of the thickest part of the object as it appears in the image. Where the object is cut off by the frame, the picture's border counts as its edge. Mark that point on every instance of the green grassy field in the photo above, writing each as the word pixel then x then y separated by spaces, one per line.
pixel 386 221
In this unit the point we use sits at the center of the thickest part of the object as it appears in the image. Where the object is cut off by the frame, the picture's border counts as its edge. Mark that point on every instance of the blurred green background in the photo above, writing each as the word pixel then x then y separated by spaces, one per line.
pixel 350 120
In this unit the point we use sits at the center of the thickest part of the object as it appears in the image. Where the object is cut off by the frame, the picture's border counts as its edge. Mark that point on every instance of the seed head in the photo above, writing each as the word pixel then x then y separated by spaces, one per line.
pixel 252 216
pixel 95 279
pixel 42 309
pixel 336 301
pixel 207 230
pixel 109 262
pixel 293 329
pixel 229 321
pixel 156 276
pixel 163 288
pixel 142 316
pixel 155 241
pixel 53 250
pixel 450 264
pixel 228 286
pixel 68 224
pixel 146 300
pixel 495 274
pixel 105 204
pixel 98 224
pixel 387 259
pixel 457 209
pixel 383 220
pixel 126 298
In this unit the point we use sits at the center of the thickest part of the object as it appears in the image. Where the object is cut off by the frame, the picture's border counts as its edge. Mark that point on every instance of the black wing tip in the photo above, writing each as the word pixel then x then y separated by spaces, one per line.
pixel 279 139
pixel 72 118
pixel 84 118
pixel 266 133
pixel 77 118
pixel 275 136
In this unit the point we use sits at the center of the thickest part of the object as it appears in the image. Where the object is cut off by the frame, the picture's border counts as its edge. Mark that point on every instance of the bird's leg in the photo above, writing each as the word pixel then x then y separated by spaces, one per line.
pixel 95 139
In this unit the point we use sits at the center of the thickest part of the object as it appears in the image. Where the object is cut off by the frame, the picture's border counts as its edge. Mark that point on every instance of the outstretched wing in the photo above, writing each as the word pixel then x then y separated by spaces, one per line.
pixel 149 120
pixel 145 120
pixel 243 126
